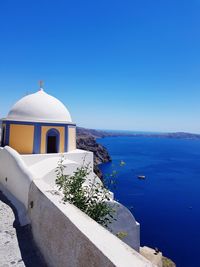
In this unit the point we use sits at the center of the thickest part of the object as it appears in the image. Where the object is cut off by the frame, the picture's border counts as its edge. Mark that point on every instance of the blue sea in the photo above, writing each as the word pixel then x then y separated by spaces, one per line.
pixel 167 202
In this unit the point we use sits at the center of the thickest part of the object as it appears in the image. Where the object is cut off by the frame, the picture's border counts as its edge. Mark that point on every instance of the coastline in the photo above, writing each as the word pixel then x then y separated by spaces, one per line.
pixel 87 140
pixel 109 133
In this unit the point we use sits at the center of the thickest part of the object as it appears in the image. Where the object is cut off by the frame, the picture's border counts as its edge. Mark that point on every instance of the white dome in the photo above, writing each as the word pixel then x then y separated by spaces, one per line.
pixel 39 107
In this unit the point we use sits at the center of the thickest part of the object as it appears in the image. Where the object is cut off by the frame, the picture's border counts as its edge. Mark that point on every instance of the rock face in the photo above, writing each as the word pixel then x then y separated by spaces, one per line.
pixel 153 256
pixel 167 262
pixel 86 140
pixel 156 257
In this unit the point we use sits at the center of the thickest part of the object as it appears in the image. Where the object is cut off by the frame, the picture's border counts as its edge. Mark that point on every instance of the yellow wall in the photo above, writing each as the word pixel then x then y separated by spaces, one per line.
pixel 71 138
pixel 22 138
pixel 43 138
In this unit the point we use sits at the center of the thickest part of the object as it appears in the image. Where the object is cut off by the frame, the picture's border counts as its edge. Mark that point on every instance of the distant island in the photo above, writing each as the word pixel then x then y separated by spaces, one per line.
pixel 86 140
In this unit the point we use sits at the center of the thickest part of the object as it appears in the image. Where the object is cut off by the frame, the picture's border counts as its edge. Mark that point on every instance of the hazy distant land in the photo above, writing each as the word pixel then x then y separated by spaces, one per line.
pixel 86 140
pixel 106 133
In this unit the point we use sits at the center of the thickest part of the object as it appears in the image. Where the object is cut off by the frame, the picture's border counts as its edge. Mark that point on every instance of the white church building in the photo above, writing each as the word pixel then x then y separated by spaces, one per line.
pixel 37 131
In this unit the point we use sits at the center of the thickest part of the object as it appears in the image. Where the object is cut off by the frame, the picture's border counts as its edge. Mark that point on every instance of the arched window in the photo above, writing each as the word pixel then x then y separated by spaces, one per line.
pixel 52 141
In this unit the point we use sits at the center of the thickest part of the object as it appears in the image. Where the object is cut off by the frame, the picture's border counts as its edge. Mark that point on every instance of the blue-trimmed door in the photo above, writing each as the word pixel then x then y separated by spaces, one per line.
pixel 3 129
pixel 52 141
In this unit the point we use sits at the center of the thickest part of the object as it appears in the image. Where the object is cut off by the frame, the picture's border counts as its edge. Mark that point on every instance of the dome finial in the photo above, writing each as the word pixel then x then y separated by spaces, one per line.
pixel 41 83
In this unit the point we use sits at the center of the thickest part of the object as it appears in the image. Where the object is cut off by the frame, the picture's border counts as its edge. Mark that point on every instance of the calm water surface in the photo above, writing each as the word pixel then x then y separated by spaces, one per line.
pixel 167 202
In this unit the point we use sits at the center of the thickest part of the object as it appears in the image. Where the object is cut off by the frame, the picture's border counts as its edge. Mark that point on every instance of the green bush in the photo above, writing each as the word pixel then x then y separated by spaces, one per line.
pixel 90 197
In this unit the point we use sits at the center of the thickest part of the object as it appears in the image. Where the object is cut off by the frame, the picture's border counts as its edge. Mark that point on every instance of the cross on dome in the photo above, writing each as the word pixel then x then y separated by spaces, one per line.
pixel 41 83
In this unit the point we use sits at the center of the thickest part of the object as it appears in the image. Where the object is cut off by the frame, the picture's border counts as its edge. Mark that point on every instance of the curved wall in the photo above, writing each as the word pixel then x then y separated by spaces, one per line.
pixel 125 224
pixel 15 180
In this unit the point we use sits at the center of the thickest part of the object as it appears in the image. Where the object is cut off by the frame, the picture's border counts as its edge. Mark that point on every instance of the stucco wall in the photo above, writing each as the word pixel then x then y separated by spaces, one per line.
pixel 17 172
pixel 69 238
pixel 126 224
pixel 46 169
pixel 71 138
pixel 77 155
pixel 65 235
pixel 15 179
pixel 21 138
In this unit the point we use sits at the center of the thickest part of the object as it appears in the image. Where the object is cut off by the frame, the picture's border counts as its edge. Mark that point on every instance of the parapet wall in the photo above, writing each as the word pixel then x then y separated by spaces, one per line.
pixel 15 180
pixel 65 236
pixel 78 155
pixel 69 238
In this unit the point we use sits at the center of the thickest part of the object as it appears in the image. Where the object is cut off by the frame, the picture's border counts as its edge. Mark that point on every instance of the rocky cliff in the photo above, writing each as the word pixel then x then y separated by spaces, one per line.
pixel 86 140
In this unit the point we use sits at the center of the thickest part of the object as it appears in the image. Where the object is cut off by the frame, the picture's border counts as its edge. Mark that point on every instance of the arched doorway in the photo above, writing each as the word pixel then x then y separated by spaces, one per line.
pixel 3 136
pixel 52 141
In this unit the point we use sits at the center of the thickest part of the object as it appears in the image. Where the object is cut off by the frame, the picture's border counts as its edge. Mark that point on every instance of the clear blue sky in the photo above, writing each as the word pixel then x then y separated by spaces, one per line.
pixel 131 65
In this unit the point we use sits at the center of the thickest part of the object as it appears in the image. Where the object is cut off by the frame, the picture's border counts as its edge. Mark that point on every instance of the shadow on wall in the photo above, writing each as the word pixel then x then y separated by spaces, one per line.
pixel 29 252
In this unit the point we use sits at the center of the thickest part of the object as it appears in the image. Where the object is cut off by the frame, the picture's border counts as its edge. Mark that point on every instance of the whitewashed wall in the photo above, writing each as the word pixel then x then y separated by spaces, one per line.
pixel 15 180
pixel 64 235
pixel 43 166
pixel 77 155
pixel 68 237
pixel 125 223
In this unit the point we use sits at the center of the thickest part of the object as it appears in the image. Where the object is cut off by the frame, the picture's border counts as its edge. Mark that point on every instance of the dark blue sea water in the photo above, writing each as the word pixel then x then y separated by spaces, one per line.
pixel 167 202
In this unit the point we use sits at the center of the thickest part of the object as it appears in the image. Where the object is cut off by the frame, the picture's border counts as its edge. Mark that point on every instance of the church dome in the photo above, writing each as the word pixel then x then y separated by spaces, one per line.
pixel 39 107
